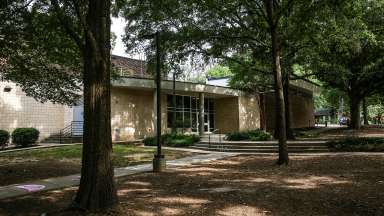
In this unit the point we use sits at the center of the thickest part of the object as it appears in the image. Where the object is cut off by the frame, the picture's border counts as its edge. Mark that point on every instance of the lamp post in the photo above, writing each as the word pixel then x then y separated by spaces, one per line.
pixel 159 163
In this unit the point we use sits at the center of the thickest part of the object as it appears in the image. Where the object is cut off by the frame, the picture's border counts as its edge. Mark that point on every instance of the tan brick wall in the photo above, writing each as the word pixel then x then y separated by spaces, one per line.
pixel 227 114
pixel 302 110
pixel 133 114
pixel 249 112
pixel 19 110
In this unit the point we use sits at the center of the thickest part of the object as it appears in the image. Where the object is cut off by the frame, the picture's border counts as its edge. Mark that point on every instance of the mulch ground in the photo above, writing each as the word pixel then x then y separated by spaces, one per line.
pixel 242 185
pixel 365 131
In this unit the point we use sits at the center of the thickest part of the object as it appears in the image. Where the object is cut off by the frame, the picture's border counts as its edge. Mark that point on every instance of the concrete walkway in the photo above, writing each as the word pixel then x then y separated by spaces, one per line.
pixel 74 180
pixel 40 146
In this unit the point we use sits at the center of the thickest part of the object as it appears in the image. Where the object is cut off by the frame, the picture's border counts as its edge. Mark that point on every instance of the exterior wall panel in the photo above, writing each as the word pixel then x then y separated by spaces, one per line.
pixel 227 114
pixel 249 113
pixel 19 110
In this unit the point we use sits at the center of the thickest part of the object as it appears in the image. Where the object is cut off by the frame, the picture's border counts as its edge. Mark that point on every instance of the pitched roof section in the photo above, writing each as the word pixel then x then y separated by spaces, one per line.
pixel 128 67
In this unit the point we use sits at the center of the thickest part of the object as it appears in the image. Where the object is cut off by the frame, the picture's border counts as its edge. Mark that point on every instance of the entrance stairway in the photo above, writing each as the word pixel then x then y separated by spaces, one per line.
pixel 72 133
pixel 216 142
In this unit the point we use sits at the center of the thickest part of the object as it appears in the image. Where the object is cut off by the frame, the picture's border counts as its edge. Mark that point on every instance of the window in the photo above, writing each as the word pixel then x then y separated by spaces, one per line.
pixel 7 89
pixel 187 112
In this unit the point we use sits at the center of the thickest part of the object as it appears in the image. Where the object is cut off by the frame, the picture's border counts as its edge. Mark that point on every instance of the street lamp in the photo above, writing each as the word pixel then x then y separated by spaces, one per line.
pixel 159 163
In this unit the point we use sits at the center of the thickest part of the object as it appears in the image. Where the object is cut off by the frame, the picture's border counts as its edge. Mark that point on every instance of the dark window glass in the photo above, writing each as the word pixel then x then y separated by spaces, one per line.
pixel 169 100
pixel 187 119
pixel 194 120
pixel 179 101
pixel 206 104
pixel 179 119
pixel 187 102
pixel 211 108
pixel 211 121
pixel 169 119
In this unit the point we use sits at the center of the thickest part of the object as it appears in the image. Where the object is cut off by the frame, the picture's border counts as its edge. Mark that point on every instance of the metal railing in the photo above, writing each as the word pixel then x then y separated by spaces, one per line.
pixel 75 129
pixel 209 137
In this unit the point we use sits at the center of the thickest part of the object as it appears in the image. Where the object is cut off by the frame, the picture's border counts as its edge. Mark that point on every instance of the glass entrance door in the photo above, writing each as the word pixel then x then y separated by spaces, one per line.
pixel 206 123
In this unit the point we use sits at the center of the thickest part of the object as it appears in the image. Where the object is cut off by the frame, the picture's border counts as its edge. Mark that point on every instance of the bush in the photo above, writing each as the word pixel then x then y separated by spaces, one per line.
pixel 150 141
pixel 25 136
pixel 174 140
pixel 353 144
pixel 253 135
pixel 4 138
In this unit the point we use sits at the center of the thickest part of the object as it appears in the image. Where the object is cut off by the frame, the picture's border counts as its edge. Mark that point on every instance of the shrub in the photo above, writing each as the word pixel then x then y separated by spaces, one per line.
pixel 149 141
pixel 25 136
pixel 368 144
pixel 173 139
pixel 253 135
pixel 4 138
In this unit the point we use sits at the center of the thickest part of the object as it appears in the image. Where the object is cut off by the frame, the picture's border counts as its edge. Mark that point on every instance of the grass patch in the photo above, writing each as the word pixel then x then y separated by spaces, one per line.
pixel 362 144
pixel 122 155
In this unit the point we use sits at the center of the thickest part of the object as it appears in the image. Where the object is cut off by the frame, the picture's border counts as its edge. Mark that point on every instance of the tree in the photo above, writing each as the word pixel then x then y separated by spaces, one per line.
pixel 347 50
pixel 217 29
pixel 80 28
pixel 43 65
pixel 219 71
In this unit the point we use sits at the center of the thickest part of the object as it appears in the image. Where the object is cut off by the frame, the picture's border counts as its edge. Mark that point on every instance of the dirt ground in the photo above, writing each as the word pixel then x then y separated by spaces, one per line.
pixel 242 185
pixel 344 132
pixel 18 169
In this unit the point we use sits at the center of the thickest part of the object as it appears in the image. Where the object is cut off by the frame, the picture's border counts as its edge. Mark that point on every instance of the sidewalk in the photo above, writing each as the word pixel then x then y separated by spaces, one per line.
pixel 74 180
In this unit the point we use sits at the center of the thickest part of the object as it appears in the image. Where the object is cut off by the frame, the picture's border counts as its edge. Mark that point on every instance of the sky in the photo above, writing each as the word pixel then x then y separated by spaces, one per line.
pixel 118 25
pixel 118 28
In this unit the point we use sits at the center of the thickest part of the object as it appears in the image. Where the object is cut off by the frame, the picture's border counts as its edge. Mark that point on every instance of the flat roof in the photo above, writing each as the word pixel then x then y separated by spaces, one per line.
pixel 167 85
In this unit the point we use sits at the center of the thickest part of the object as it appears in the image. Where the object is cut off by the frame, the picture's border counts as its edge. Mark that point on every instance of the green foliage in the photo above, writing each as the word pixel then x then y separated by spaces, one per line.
pixel 4 138
pixel 366 144
pixel 219 71
pixel 174 140
pixel 253 135
pixel 37 54
pixel 25 136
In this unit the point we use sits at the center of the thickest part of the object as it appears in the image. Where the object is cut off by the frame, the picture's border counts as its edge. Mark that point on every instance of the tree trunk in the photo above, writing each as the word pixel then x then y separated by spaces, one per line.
pixel 355 112
pixel 97 188
pixel 365 112
pixel 174 104
pixel 288 119
pixel 279 93
pixel 263 122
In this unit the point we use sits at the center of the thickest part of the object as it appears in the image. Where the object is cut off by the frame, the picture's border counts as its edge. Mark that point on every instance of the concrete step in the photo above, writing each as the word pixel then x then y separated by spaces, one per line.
pixel 266 143
pixel 247 150
pixel 260 146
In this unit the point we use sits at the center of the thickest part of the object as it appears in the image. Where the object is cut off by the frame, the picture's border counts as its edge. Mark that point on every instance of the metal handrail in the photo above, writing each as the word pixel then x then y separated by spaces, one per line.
pixel 69 130
pixel 209 137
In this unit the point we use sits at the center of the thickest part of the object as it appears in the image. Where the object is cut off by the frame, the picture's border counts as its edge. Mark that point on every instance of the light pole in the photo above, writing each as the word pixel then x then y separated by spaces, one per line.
pixel 159 163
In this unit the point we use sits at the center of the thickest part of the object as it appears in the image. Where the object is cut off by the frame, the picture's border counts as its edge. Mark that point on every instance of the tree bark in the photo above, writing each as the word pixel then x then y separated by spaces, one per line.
pixel 263 123
pixel 355 112
pixel 288 119
pixel 280 126
pixel 97 188
pixel 174 104
pixel 365 112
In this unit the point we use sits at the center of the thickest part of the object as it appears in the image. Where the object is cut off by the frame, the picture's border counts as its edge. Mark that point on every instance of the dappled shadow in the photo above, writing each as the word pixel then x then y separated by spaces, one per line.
pixel 243 185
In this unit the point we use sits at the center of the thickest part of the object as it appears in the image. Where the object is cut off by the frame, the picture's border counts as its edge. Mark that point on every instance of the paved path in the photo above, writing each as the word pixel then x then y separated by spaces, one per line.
pixel 40 146
pixel 73 180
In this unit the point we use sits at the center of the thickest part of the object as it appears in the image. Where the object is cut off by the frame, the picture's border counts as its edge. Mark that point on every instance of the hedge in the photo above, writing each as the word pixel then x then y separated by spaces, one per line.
pixel 4 138
pixel 253 135
pixel 25 136
pixel 356 144
pixel 174 140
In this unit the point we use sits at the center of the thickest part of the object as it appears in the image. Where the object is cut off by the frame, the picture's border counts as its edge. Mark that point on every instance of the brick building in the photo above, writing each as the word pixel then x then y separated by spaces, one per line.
pixel 133 104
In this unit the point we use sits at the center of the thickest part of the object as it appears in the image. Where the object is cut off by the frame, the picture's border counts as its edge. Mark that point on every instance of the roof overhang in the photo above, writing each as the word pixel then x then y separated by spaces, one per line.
pixel 167 86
